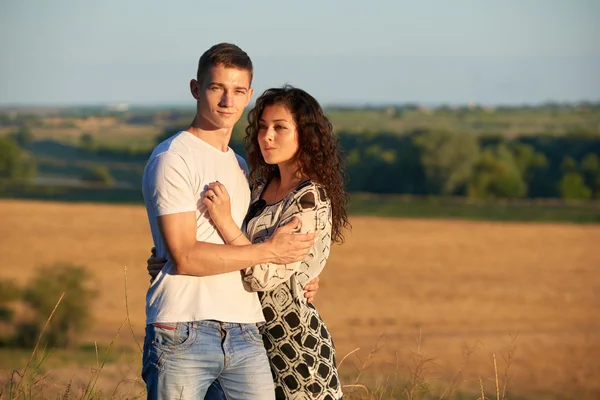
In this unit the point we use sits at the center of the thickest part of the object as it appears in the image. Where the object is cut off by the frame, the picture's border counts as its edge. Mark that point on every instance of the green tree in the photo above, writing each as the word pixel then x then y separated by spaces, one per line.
pixel 572 186
pixel 590 166
pixel 533 167
pixel 99 174
pixel 568 165
pixel 496 175
pixel 447 159
pixel 24 137
pixel 72 315
pixel 15 163
pixel 9 292
pixel 527 159
pixel 87 142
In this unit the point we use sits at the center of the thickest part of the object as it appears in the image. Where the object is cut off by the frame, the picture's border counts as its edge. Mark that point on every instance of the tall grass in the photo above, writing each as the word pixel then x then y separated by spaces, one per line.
pixel 419 379
pixel 366 380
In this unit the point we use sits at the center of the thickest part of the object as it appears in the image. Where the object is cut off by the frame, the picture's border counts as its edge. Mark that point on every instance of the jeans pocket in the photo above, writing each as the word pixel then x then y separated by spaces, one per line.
pixel 172 336
pixel 152 359
pixel 252 335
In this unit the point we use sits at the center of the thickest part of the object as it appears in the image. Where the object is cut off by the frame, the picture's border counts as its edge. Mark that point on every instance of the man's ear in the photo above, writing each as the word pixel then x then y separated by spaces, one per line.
pixel 250 93
pixel 195 89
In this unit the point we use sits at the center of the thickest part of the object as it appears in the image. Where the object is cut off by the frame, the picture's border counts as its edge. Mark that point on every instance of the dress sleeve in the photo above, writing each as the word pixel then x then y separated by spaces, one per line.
pixel 313 209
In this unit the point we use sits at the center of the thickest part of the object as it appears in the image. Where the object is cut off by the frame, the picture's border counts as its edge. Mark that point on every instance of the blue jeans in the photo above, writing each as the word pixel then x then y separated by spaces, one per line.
pixel 181 360
pixel 215 392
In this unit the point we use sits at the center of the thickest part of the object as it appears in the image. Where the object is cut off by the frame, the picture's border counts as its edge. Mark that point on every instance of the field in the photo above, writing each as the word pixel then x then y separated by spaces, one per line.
pixel 469 290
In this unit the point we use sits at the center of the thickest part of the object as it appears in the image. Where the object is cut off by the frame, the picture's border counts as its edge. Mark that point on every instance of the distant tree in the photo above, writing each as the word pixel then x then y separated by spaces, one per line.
pixel 168 132
pixel 568 165
pixel 87 142
pixel 526 158
pixel 9 292
pixel 572 186
pixel 239 131
pixel 590 166
pixel 23 137
pixel 447 159
pixel 99 174
pixel 15 163
pixel 72 315
pixel 496 175
pixel 533 167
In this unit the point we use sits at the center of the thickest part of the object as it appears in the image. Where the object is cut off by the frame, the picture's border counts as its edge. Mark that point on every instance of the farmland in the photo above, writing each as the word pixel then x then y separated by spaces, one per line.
pixel 470 290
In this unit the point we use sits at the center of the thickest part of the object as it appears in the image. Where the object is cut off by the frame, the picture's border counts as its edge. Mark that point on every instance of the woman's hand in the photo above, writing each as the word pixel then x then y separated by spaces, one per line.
pixel 311 289
pixel 155 264
pixel 218 204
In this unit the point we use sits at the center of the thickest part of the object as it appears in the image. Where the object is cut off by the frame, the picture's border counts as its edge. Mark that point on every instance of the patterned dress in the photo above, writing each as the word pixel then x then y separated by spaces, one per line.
pixel 297 341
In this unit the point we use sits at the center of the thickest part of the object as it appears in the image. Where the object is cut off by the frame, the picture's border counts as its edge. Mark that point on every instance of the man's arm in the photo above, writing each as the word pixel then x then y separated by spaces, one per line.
pixel 191 257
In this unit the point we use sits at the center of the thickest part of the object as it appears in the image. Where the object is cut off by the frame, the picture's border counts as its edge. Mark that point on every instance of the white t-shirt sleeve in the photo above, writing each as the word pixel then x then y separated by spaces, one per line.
pixel 244 166
pixel 169 185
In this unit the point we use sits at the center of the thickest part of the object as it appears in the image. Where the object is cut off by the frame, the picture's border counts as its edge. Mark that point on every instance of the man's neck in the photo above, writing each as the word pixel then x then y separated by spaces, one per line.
pixel 218 138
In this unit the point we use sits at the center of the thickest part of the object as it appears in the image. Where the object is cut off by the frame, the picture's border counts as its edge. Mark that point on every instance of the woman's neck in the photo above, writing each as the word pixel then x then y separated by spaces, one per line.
pixel 289 178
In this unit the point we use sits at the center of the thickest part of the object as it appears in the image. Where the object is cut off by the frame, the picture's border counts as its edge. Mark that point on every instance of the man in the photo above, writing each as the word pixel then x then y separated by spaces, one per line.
pixel 201 322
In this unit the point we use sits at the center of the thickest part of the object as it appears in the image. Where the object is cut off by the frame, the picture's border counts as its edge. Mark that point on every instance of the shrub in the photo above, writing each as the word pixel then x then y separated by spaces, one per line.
pixel 100 175
pixel 72 315
pixel 15 163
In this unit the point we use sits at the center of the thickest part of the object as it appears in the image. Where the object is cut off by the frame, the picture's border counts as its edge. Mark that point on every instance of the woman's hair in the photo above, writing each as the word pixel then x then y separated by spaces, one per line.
pixel 318 153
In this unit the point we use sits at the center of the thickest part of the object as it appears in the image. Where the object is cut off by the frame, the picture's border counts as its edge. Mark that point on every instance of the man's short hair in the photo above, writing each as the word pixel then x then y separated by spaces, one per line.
pixel 226 54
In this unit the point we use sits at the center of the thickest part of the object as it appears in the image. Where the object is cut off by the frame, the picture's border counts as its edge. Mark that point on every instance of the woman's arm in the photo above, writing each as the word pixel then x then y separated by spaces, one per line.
pixel 315 215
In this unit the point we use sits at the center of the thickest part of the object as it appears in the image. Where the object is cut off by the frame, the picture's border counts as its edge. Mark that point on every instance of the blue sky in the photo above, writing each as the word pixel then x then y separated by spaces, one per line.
pixel 70 52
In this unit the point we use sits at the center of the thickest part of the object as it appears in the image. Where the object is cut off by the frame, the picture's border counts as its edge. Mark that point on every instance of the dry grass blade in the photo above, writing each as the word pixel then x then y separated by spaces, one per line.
pixel 365 364
pixel 97 357
pixel 450 389
pixel 508 360
pixel 67 390
pixel 347 355
pixel 496 375
pixel 481 387
pixel 127 311
pixel 358 385
pixel 18 387
pixel 91 385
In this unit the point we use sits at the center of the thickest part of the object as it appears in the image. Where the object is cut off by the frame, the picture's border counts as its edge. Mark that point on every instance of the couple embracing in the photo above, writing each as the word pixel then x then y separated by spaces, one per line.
pixel 238 249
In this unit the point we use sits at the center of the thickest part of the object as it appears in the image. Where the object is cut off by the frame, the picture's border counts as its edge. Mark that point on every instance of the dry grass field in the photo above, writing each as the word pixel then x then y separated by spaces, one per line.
pixel 469 290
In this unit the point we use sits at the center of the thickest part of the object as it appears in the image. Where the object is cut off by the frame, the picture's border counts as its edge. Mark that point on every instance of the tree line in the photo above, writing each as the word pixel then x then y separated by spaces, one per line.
pixel 422 162
pixel 478 167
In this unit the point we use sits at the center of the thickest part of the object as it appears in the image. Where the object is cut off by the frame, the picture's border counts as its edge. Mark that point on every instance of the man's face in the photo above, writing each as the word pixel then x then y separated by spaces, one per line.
pixel 222 95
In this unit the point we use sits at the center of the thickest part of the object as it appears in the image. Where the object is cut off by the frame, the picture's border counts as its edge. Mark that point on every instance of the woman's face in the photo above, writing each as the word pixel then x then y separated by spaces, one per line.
pixel 277 134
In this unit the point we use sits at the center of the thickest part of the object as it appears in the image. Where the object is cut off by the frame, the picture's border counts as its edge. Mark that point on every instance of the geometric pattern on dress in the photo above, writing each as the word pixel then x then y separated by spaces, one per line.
pixel 299 346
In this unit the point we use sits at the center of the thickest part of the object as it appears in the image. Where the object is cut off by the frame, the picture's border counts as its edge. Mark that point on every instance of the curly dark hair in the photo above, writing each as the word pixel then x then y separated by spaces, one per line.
pixel 318 151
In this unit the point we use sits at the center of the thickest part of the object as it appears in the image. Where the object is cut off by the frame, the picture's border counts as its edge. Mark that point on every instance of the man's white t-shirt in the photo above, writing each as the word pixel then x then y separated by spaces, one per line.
pixel 175 180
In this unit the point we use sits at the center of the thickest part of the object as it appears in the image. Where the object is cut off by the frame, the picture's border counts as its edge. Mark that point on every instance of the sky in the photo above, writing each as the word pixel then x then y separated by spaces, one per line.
pixel 144 52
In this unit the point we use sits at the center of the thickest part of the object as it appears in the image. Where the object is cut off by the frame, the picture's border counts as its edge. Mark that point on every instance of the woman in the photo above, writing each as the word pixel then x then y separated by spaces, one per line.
pixel 295 168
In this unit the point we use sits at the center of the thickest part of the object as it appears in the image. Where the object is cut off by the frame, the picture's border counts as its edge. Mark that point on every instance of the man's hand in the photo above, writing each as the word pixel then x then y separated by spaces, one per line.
pixel 311 289
pixel 287 247
pixel 154 264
